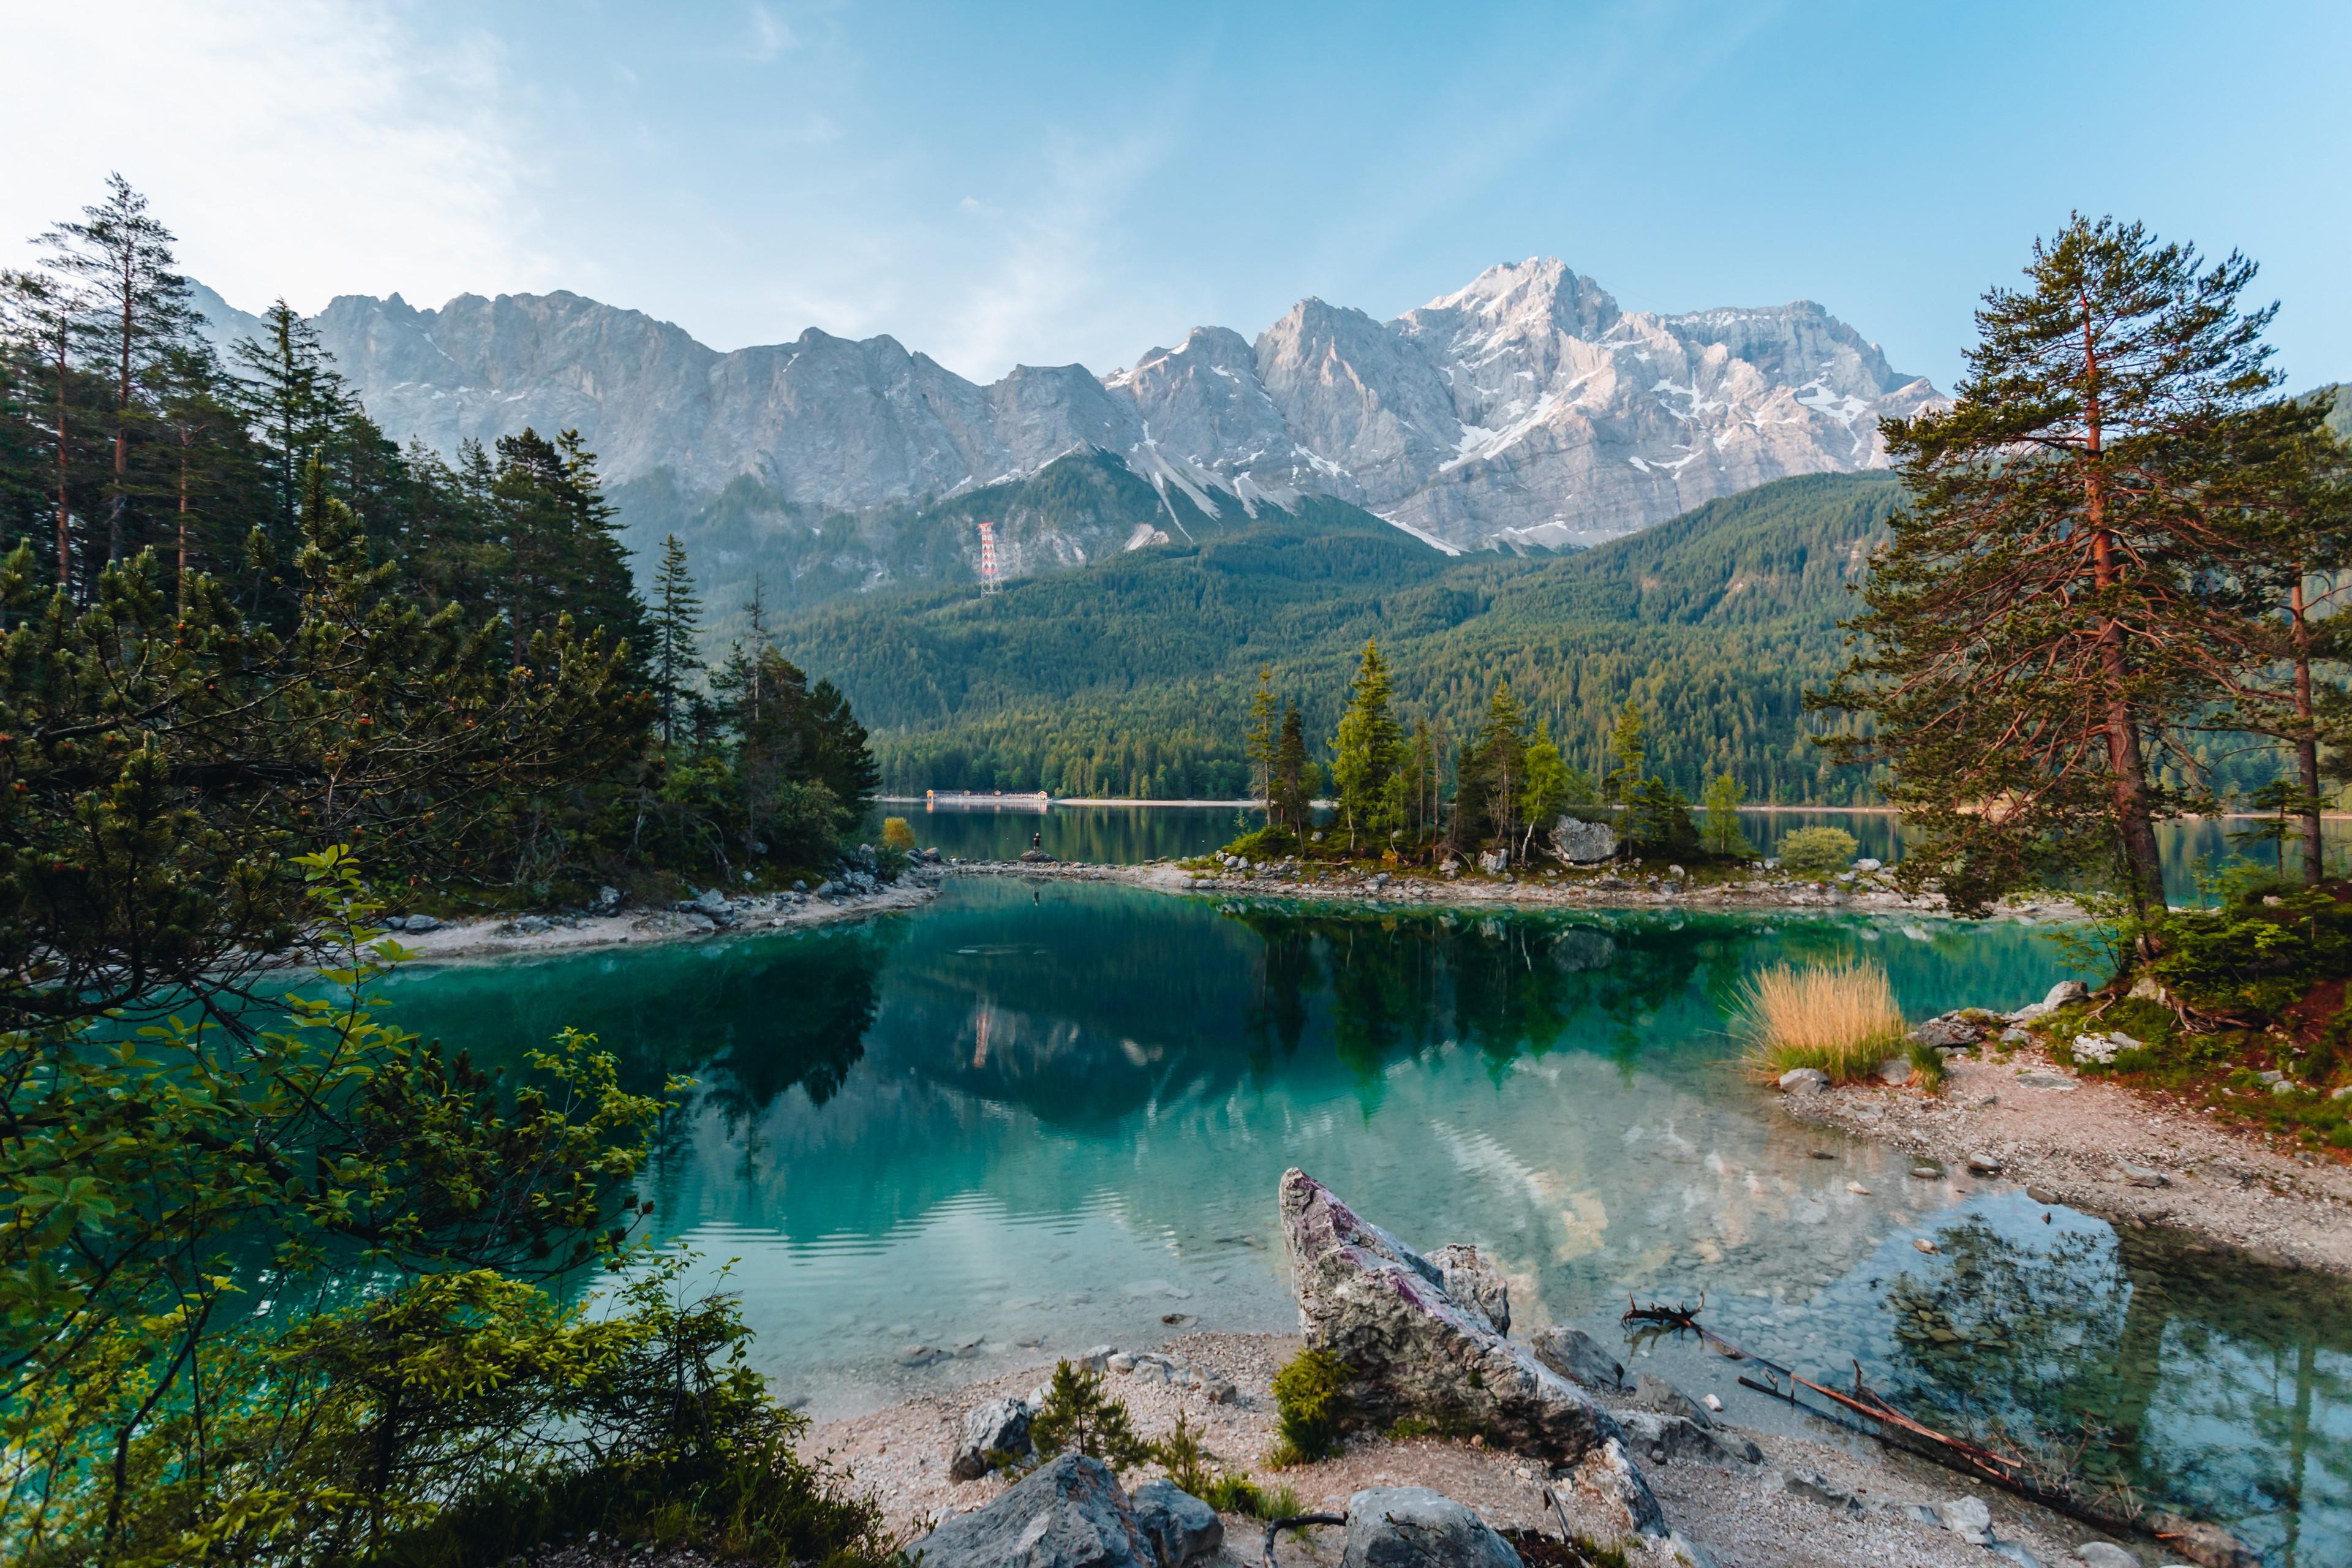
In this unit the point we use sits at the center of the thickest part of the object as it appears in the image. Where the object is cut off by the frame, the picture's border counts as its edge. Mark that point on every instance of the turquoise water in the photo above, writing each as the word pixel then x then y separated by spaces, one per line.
pixel 1029 1119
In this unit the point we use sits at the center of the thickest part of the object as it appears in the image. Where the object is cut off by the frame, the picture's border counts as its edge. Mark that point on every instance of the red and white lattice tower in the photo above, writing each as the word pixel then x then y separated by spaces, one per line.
pixel 988 558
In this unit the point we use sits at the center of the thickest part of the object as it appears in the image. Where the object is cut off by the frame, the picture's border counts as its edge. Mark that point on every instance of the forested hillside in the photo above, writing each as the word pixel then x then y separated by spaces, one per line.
pixel 1133 676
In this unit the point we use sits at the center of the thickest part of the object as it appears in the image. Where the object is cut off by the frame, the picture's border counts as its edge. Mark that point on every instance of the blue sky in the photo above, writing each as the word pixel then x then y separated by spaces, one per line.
pixel 998 184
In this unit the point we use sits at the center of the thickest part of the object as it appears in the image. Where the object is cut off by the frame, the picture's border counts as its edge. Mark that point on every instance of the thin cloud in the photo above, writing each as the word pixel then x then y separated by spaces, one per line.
pixel 338 152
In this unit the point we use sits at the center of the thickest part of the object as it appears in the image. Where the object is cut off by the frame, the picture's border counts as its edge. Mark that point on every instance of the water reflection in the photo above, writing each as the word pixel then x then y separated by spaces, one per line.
pixel 1027 1119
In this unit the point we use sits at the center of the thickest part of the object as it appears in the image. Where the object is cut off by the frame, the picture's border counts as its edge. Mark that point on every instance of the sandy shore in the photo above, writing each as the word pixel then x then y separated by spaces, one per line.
pixel 1740 1515
pixel 501 937
pixel 2111 1152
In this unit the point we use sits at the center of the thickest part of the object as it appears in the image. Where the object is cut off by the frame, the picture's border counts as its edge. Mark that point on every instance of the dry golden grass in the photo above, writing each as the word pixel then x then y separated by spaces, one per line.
pixel 1840 1018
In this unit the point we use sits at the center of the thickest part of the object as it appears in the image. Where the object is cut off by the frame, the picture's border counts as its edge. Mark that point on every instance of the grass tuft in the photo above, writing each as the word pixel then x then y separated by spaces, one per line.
pixel 1840 1018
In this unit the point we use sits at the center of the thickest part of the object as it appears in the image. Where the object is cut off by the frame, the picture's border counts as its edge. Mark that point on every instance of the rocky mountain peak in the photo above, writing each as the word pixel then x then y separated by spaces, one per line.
pixel 1526 408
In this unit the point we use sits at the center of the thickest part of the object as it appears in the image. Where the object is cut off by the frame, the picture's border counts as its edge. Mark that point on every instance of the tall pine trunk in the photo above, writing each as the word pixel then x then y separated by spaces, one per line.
pixel 2127 764
pixel 2306 739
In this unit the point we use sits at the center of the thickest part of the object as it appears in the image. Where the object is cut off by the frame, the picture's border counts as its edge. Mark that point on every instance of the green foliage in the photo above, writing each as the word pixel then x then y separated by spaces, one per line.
pixel 1657 819
pixel 1186 1459
pixel 1927 1062
pixel 2256 955
pixel 1720 833
pixel 1269 843
pixel 897 833
pixel 1818 851
pixel 1239 1494
pixel 1311 1404
pixel 1627 751
pixel 1077 1418
pixel 1133 676
pixel 1364 752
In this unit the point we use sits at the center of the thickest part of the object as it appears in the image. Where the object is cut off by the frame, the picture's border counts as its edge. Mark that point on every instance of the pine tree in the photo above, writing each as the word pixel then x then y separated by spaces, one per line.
pixel 1628 748
pixel 1502 752
pixel 39 314
pixel 294 399
pixel 676 633
pixel 1721 834
pixel 1364 752
pixel 2044 623
pixel 1293 784
pixel 134 310
pixel 1261 739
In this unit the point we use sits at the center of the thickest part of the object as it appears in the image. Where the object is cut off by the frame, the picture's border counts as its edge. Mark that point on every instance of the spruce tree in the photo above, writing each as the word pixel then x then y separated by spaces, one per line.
pixel 2044 623
pixel 293 398
pixel 1293 785
pixel 1364 752
pixel 1502 752
pixel 676 633
pixel 133 310
pixel 1260 740
pixel 1631 753
pixel 1721 834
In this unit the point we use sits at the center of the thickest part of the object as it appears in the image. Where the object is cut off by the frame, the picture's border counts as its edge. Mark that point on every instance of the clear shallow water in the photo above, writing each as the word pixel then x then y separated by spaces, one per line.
pixel 1129 835
pixel 1057 1113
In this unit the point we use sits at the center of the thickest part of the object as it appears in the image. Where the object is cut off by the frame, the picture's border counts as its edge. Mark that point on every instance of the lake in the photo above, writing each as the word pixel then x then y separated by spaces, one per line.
pixel 1032 1118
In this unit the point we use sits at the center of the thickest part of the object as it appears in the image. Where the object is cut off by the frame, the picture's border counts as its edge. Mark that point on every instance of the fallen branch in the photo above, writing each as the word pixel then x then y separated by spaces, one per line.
pixel 1296 1521
pixel 1895 1429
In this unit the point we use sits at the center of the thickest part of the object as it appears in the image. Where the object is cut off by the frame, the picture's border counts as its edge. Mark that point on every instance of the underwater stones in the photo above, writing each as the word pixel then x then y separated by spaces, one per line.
pixel 922 1355
pixel 1927 1170
pixel 1413 1527
pixel 1382 1308
pixel 1804 1080
pixel 1578 1357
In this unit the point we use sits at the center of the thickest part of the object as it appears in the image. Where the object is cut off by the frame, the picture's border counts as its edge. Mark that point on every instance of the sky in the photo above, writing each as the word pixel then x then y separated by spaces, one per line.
pixel 997 184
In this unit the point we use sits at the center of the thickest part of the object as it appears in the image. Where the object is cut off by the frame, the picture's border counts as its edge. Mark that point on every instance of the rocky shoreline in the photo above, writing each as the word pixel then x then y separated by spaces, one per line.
pixel 1550 1439
pixel 2122 1156
pixel 1863 891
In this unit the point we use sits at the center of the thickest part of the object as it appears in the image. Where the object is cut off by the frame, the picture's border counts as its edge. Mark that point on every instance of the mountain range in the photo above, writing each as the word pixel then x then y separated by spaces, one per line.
pixel 1526 410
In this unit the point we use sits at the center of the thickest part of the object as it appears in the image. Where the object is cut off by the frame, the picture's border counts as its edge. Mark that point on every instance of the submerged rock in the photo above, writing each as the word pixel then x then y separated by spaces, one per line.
pixel 1067 1513
pixel 1413 1527
pixel 1382 1308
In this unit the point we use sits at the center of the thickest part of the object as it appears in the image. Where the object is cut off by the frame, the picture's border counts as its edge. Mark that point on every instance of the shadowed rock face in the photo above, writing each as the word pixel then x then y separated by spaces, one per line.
pixel 1067 1513
pixel 1526 409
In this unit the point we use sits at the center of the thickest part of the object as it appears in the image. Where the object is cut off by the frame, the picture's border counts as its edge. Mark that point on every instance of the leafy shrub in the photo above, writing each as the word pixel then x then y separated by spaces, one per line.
pixel 1310 1401
pixel 2256 955
pixel 1818 851
pixel 1840 1018
pixel 1078 1418
pixel 1269 843
pixel 897 834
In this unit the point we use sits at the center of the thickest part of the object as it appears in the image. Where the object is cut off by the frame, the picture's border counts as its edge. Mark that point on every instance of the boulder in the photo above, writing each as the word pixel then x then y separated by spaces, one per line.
pixel 999 1426
pixel 1894 1070
pixel 2105 1554
pixel 2067 991
pixel 1382 1308
pixel 1673 1437
pixel 1067 1513
pixel 1656 1394
pixel 1804 1080
pixel 1494 861
pixel 419 924
pixel 1966 1517
pixel 1947 1033
pixel 1413 1527
pixel 1819 1488
pixel 1181 1528
pixel 1578 1357
pixel 1473 1282
pixel 1583 843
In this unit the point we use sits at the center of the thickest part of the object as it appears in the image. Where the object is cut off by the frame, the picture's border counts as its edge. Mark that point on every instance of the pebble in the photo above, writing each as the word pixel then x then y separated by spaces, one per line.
pixel 2043 1195
pixel 1857 1187
pixel 1924 1245
pixel 1927 1171
pixel 1984 1165
pixel 2141 1176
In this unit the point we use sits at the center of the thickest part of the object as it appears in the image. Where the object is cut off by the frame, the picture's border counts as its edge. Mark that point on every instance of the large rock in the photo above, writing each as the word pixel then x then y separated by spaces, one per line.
pixel 1382 1308
pixel 1181 1528
pixel 1949 1032
pixel 999 1426
pixel 1656 1394
pixel 1583 843
pixel 1578 1357
pixel 1067 1513
pixel 1472 1281
pixel 1413 1527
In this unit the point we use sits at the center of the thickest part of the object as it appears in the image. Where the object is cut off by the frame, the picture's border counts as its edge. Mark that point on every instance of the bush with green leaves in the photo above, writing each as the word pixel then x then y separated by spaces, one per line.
pixel 266 1296
pixel 1077 1418
pixel 1818 851
pixel 2255 955
pixel 1311 1405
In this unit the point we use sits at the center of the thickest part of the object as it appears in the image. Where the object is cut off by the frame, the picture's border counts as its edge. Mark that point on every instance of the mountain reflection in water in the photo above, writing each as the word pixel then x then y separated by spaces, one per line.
pixel 1028 1119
